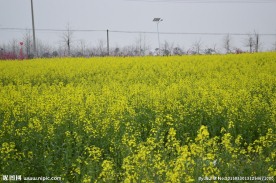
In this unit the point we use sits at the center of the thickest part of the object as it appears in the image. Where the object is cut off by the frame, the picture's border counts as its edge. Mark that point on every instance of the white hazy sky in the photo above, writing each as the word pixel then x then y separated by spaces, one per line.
pixel 198 16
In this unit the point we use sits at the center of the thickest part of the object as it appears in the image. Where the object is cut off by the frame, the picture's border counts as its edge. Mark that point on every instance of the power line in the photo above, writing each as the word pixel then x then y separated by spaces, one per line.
pixel 137 32
pixel 207 1
pixel 52 30
pixel 192 33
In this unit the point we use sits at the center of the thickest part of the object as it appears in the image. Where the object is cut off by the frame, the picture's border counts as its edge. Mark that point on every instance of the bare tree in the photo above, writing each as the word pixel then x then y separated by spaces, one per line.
pixel 138 45
pixel 129 50
pixel 210 51
pixel 215 48
pixel 168 48
pixel 250 43
pixel 43 49
pixel 55 54
pixel 227 43
pixel 28 44
pixel 82 47
pixel 253 42
pixel 117 51
pixel 238 51
pixel 14 46
pixel 141 46
pixel 101 48
pixel 67 39
pixel 146 46
pixel 178 51
pixel 274 45
pixel 10 50
pixel 1 50
pixel 197 46
pixel 61 51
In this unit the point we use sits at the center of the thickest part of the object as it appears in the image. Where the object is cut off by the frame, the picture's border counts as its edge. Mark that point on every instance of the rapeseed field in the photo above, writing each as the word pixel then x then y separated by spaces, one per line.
pixel 139 119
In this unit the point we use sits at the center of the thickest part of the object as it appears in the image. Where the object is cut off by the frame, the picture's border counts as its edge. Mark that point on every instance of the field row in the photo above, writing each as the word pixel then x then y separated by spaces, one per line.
pixel 148 119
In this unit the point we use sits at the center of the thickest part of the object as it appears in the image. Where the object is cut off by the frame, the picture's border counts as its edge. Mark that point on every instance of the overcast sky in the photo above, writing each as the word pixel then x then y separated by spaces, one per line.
pixel 182 16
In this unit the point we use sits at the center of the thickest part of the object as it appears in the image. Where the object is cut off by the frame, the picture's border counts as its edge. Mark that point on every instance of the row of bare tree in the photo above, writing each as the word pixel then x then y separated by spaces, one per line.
pixel 140 47
pixel 252 42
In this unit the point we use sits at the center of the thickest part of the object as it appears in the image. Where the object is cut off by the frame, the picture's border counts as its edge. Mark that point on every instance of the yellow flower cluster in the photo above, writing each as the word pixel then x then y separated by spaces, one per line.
pixel 139 119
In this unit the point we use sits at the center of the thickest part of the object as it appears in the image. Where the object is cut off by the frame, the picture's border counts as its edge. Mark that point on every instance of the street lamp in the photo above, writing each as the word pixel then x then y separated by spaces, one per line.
pixel 33 28
pixel 158 20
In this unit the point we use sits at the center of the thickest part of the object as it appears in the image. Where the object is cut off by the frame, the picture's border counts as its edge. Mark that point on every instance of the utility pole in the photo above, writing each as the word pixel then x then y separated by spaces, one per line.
pixel 257 44
pixel 107 34
pixel 34 42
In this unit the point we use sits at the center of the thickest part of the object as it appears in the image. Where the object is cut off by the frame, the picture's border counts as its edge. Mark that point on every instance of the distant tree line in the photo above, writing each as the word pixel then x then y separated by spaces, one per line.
pixel 79 48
